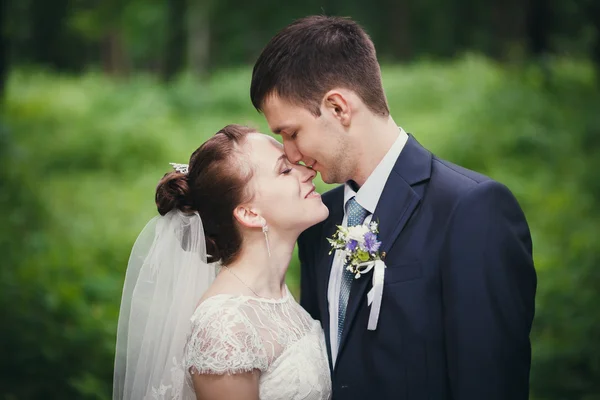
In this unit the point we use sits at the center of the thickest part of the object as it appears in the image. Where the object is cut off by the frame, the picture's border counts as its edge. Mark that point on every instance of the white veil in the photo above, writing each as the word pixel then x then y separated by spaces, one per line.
pixel 166 276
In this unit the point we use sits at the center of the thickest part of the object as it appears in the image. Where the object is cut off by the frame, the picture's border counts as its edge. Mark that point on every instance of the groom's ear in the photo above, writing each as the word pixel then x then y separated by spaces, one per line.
pixel 247 217
pixel 337 105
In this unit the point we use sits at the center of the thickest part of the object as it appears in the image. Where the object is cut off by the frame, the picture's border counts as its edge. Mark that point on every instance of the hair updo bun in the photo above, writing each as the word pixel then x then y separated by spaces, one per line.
pixel 216 183
pixel 172 193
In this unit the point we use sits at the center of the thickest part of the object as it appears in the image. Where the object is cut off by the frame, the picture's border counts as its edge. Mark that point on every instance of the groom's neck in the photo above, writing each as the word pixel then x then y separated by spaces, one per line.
pixel 375 139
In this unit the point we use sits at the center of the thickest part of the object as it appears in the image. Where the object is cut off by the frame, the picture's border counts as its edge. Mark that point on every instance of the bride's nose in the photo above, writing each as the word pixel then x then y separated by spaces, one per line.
pixel 308 174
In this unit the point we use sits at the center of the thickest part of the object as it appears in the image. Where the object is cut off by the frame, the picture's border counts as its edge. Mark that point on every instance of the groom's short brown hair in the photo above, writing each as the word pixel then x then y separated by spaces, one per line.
pixel 314 55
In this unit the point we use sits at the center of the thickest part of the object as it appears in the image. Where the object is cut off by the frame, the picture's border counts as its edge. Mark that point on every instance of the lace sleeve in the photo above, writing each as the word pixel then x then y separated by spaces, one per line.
pixel 223 341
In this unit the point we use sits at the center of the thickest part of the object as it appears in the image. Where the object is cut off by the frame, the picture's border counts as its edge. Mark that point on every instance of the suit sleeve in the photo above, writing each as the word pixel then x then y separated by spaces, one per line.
pixel 308 283
pixel 488 285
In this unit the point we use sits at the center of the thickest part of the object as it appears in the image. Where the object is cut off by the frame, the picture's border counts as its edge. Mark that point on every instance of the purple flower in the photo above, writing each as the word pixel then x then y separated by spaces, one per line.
pixel 351 245
pixel 371 243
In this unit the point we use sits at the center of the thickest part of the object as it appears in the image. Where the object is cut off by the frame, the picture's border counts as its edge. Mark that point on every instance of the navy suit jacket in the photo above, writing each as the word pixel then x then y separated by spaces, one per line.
pixel 459 293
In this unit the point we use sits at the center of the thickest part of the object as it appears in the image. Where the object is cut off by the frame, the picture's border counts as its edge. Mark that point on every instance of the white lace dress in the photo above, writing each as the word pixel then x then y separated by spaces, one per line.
pixel 232 334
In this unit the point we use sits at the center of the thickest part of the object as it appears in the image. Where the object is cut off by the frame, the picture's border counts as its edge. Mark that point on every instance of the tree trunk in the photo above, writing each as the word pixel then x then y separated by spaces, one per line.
pixel 3 50
pixel 399 29
pixel 49 42
pixel 538 27
pixel 509 27
pixel 594 15
pixel 114 55
pixel 176 47
pixel 199 36
pixel 464 24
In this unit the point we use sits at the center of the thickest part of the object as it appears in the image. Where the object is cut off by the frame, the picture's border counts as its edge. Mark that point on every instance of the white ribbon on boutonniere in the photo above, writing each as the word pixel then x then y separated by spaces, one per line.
pixel 359 247
pixel 376 293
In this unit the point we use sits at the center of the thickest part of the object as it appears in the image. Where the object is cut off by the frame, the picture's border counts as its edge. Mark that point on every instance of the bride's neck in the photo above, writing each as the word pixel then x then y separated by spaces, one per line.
pixel 264 274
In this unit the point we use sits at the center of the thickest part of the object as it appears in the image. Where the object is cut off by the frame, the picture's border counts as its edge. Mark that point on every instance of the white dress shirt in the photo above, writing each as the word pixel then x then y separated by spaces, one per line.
pixel 368 197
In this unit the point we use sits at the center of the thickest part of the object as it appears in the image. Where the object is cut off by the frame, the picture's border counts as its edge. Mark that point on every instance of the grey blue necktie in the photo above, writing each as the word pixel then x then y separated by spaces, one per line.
pixel 356 216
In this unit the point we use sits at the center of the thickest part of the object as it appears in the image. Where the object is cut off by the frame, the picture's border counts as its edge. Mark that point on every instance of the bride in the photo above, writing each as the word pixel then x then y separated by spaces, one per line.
pixel 205 311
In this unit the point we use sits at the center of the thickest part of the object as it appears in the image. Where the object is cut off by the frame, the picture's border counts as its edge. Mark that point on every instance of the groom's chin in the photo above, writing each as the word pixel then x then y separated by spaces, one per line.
pixel 330 178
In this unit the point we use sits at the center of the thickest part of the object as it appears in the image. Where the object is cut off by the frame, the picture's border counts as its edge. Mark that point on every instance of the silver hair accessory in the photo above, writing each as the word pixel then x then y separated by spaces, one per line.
pixel 181 168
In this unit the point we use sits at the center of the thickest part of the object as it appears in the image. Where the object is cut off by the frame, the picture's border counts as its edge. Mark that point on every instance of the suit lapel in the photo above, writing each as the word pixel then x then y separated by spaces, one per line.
pixel 397 203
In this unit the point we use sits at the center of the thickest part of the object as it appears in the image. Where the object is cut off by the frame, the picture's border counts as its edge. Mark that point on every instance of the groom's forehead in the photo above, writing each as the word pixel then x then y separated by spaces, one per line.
pixel 277 107
pixel 284 117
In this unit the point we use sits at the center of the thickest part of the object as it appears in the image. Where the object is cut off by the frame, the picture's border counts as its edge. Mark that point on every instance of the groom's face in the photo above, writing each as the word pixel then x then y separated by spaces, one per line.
pixel 318 142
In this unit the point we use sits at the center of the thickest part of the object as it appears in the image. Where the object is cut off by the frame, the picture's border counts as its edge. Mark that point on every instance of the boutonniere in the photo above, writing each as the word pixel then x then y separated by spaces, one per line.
pixel 360 248
pixel 359 245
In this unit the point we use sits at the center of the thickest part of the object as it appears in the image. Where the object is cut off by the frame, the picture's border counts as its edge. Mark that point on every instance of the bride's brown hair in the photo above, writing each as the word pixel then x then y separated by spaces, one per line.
pixel 215 184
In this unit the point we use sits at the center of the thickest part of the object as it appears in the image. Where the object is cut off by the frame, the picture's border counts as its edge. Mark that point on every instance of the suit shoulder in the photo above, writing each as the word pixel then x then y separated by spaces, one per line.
pixel 451 181
pixel 457 172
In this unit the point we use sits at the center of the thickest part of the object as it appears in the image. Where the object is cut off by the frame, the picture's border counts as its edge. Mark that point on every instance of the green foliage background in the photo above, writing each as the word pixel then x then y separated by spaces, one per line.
pixel 80 158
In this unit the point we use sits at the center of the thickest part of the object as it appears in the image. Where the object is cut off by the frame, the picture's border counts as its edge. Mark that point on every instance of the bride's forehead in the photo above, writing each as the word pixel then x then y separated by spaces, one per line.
pixel 264 148
pixel 262 142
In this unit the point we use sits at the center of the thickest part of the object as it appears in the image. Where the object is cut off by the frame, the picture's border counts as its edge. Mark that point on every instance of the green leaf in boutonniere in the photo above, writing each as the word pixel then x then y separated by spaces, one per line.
pixel 363 255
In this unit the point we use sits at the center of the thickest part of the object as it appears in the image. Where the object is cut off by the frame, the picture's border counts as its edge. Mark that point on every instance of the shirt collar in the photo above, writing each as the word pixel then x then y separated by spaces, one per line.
pixel 368 195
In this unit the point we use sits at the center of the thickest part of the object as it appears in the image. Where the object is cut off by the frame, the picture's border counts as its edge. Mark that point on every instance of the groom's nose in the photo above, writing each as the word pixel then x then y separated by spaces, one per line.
pixel 293 154
pixel 291 151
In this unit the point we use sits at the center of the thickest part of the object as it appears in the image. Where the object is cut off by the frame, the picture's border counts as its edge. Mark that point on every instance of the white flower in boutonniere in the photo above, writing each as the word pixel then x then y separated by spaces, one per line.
pixel 360 248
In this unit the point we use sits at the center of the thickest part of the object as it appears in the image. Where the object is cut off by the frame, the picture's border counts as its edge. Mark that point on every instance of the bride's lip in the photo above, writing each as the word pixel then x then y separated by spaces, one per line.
pixel 311 192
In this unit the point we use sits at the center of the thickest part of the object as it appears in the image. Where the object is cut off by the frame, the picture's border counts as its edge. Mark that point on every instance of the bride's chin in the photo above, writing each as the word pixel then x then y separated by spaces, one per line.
pixel 320 215
pixel 325 213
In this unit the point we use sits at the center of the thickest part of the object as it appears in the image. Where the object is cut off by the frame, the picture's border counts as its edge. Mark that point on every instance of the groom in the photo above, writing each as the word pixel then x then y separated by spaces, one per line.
pixel 459 287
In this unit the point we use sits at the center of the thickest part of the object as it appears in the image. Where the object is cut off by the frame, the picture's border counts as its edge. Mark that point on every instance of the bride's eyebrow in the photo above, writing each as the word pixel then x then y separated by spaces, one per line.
pixel 281 158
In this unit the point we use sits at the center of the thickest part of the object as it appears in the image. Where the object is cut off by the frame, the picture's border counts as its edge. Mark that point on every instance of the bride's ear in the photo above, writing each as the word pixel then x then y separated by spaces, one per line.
pixel 248 217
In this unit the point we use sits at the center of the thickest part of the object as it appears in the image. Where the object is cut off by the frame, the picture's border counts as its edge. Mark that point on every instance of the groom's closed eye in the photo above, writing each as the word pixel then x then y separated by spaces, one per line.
pixel 280 130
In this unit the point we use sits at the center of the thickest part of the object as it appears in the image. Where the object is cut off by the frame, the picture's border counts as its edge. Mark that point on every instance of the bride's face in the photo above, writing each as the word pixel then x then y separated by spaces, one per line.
pixel 284 193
